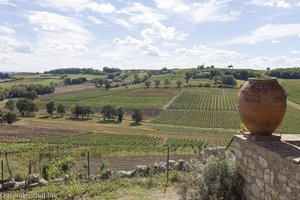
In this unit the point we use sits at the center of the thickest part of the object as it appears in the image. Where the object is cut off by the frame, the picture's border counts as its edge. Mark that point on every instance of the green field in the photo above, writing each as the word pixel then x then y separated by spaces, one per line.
pixel 206 99
pixel 215 108
pixel 128 97
pixel 292 88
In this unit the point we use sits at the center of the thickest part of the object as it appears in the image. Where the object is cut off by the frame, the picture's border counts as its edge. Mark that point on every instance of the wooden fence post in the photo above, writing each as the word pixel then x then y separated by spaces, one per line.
pixel 168 158
pixel 88 163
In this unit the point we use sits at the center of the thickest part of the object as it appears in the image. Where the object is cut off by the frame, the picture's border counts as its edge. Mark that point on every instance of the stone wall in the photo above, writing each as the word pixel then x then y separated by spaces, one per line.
pixel 270 167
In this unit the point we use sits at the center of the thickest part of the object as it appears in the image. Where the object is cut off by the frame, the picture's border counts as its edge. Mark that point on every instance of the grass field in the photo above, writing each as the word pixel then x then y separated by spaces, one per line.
pixel 292 88
pixel 128 97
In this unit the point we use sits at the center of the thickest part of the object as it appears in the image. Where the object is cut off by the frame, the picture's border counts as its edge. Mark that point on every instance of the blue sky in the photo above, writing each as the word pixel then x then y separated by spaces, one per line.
pixel 47 34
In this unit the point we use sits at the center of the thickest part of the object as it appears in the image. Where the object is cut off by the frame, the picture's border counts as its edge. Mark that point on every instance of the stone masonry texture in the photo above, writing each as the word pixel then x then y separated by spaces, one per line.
pixel 269 166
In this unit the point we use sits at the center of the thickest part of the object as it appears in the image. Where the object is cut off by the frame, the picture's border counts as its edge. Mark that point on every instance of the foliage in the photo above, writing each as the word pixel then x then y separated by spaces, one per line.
pixel 120 112
pixel 108 112
pixel 9 117
pixel 50 107
pixel 178 83
pixel 80 80
pixel 147 84
pixel 74 71
pixel 137 115
pixel 26 106
pixel 104 166
pixel 81 110
pixel 10 104
pixel 61 109
pixel 157 83
pixel 286 73
pixel 56 168
pixel 167 82
pixel 216 179
pixel 228 80
pixel 29 91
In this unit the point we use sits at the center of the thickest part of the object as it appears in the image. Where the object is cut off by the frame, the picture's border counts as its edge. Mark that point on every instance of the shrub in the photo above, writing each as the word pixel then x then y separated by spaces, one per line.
pixel 216 179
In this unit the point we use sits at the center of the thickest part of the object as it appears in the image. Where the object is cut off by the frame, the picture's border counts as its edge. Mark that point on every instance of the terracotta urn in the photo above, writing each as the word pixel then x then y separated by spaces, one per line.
pixel 262 105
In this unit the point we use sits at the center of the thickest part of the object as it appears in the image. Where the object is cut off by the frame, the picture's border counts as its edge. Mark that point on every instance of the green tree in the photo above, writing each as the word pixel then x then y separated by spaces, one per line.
pixel 26 106
pixel 228 80
pixel 157 83
pixel 86 111
pixel 107 85
pixel 120 112
pixel 61 109
pixel 137 115
pixel 10 105
pixel 167 82
pixel 178 83
pixel 188 76
pixel 67 81
pixel 108 112
pixel 147 84
pixel 50 107
pixel 10 117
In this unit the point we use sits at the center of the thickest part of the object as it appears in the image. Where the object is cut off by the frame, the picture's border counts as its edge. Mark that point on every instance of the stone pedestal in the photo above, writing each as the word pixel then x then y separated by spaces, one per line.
pixel 269 166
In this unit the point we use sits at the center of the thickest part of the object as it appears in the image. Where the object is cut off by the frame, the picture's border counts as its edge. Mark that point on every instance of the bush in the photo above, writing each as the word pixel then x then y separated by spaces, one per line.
pixel 216 179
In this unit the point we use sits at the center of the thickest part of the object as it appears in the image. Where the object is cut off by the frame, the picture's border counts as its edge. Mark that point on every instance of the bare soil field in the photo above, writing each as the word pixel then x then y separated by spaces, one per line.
pixel 11 133
pixel 125 162
pixel 85 126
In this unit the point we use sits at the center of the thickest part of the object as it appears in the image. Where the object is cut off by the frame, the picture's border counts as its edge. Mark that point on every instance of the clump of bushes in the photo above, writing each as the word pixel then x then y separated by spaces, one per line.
pixel 215 179
pixel 57 168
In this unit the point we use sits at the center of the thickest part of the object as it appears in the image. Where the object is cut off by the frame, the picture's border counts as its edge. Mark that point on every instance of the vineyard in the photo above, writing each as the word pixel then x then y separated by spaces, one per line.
pixel 215 108
pixel 200 118
pixel 206 99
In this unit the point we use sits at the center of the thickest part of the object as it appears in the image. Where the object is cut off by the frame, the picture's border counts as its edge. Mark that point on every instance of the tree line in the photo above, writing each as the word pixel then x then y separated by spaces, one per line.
pixel 30 91
pixel 27 107
pixel 288 73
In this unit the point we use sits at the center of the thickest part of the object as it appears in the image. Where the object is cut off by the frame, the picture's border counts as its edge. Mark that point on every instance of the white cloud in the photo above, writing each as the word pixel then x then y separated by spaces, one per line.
pixel 65 5
pixel 95 20
pixel 8 30
pixel 58 33
pixel 295 52
pixel 158 30
pixel 267 32
pixel 127 41
pixel 55 22
pixel 211 10
pixel 275 41
pixel 103 8
pixel 271 3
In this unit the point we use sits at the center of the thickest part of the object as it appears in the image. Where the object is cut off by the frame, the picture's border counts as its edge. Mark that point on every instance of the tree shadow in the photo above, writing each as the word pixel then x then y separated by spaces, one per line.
pixel 108 122
pixel 135 124
pixel 79 119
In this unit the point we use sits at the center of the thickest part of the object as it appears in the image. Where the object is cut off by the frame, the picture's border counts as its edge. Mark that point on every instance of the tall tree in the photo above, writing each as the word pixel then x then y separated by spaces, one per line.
pixel 137 115
pixel 61 109
pixel 108 112
pixel 120 111
pixel 157 83
pixel 50 107
pixel 178 83
pixel 167 82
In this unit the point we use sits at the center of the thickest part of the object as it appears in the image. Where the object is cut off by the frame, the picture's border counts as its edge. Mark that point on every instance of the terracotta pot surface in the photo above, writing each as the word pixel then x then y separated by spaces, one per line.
pixel 262 105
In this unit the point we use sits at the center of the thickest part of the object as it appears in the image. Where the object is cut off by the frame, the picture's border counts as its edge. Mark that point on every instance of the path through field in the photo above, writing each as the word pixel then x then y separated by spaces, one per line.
pixel 125 162
pixel 295 105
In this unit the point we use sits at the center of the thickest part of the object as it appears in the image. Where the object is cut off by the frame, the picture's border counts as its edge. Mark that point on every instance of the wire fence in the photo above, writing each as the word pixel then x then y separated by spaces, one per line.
pixel 19 169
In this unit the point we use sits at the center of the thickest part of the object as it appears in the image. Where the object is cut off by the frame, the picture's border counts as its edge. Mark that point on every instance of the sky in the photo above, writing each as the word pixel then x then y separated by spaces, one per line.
pixel 38 35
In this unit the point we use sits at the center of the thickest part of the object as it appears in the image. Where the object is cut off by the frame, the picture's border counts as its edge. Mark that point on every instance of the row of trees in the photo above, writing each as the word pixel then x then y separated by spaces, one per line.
pixel 288 73
pixel 166 82
pixel 69 81
pixel 30 91
pixel 75 71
